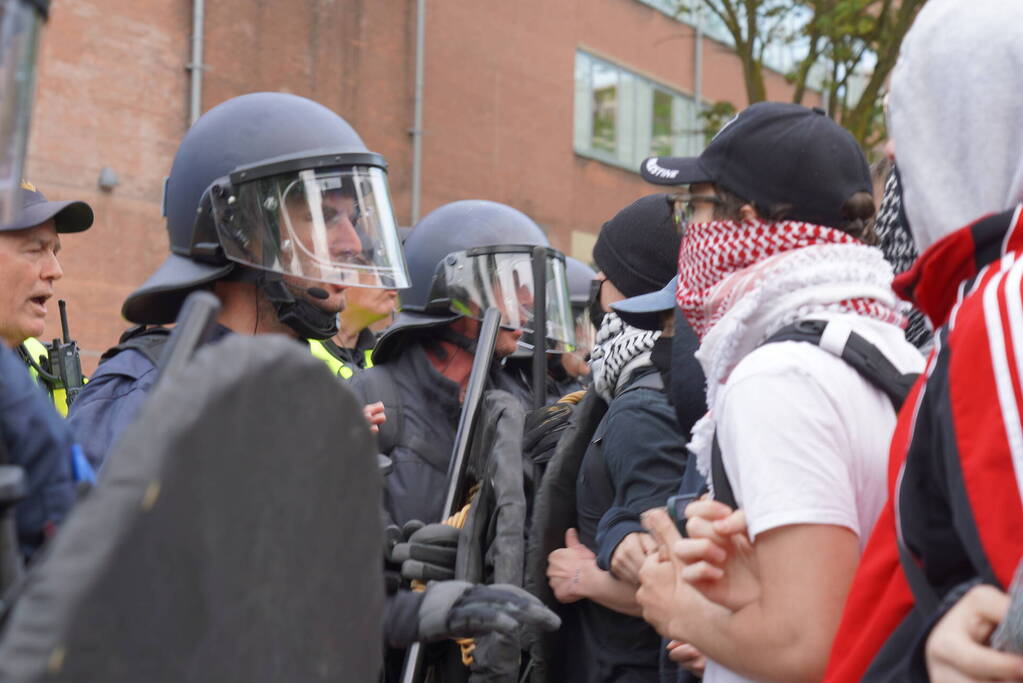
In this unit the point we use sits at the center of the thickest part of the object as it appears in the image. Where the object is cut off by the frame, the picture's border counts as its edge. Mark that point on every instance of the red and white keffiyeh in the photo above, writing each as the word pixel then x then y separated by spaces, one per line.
pixel 712 252
pixel 740 282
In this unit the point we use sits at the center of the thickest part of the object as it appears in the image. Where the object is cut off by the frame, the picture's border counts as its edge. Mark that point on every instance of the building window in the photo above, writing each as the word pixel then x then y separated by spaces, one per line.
pixel 622 118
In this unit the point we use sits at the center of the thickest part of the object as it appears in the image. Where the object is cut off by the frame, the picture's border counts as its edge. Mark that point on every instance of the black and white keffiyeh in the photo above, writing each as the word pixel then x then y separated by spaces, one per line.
pixel 619 351
pixel 896 242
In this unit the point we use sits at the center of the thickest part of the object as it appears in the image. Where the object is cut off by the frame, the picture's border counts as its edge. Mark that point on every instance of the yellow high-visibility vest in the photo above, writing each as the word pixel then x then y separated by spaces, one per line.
pixel 36 350
pixel 336 365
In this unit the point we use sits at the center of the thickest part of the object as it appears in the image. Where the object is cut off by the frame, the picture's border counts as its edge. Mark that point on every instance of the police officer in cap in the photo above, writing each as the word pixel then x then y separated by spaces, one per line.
pixel 32 435
pixel 464 257
pixel 29 267
pixel 275 205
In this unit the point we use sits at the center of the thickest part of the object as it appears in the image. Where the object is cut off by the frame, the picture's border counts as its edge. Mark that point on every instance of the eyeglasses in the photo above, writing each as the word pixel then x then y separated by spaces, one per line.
pixel 684 206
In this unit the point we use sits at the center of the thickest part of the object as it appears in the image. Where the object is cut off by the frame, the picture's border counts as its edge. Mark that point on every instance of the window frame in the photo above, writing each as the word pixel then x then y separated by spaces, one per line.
pixel 635 87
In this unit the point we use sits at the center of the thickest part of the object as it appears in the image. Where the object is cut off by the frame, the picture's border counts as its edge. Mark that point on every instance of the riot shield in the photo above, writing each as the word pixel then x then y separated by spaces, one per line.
pixel 554 512
pixel 234 536
pixel 491 548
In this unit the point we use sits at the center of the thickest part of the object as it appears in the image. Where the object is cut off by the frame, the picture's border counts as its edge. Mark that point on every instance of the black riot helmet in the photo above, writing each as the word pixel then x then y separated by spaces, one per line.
pixel 471 254
pixel 270 186
pixel 20 22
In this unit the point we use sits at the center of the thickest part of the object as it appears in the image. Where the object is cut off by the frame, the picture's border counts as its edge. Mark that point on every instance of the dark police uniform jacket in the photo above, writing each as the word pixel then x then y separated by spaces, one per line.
pixel 36 438
pixel 422 413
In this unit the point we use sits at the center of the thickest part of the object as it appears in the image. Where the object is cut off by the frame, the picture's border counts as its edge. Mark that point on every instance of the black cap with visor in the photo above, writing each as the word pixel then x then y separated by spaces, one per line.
pixel 775 154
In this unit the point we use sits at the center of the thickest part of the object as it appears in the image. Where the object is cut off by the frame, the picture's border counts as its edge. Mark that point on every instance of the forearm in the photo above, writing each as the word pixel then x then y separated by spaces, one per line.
pixel 604 589
pixel 753 641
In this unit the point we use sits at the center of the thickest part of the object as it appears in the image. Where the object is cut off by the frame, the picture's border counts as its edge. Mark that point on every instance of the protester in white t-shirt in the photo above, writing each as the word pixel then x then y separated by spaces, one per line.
pixel 777 206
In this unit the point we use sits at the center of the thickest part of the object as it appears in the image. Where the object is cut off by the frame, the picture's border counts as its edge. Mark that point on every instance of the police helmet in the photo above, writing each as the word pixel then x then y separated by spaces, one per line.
pixel 267 186
pixel 20 22
pixel 468 255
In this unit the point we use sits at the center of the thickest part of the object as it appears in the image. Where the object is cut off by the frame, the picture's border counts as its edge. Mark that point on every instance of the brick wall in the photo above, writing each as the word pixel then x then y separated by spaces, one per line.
pixel 113 91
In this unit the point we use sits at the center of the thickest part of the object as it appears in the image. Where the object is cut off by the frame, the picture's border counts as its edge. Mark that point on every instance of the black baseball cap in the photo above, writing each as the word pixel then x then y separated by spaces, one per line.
pixel 775 153
pixel 35 210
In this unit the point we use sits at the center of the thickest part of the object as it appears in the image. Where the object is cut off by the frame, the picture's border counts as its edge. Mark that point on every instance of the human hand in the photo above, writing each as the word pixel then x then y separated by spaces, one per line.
pixel 542 430
pixel 687 657
pixel 567 568
pixel 374 414
pixel 956 649
pixel 718 555
pixel 628 557
pixel 458 609
pixel 429 553
pixel 663 594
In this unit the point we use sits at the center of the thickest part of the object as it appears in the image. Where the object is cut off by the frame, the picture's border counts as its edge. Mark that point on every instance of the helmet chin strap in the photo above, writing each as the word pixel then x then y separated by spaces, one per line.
pixel 305 319
pixel 447 334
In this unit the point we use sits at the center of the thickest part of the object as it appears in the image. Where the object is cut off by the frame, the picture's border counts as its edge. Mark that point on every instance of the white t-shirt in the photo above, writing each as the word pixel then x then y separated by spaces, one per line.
pixel 804 438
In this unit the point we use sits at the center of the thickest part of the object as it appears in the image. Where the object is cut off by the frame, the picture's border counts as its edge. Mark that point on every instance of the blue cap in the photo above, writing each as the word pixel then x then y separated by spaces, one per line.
pixel 35 209
pixel 646 310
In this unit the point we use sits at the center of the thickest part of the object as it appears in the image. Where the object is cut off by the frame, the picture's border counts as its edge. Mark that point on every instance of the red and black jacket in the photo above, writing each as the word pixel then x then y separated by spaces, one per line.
pixel 954 511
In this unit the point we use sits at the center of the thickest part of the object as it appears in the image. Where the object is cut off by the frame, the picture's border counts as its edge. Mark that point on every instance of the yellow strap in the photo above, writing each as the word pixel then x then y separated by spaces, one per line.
pixel 457 520
pixel 573 398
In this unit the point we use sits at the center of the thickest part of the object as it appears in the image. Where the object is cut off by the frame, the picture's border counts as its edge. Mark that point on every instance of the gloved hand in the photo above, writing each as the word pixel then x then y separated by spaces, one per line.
pixel 428 553
pixel 459 609
pixel 542 430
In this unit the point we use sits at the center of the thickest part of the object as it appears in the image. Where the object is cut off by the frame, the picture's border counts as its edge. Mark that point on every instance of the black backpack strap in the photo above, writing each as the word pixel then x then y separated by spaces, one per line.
pixel 722 486
pixel 149 341
pixel 862 356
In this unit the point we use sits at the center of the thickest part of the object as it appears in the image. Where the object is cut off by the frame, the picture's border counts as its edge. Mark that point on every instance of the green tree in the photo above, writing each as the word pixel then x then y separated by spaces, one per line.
pixel 855 42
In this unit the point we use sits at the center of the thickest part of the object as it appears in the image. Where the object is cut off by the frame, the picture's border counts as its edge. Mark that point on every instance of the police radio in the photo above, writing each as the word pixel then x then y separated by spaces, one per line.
pixel 64 362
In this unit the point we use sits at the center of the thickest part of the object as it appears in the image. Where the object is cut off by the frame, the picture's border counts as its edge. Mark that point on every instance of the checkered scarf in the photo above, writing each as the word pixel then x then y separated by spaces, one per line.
pixel 722 261
pixel 619 350
pixel 896 242
pixel 740 282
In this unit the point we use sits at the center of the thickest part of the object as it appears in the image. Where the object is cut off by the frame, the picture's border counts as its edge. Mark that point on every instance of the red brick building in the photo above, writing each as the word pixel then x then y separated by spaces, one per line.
pixel 546 106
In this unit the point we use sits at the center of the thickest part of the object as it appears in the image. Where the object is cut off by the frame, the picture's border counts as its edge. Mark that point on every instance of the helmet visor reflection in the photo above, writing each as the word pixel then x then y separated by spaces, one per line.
pixel 477 279
pixel 324 225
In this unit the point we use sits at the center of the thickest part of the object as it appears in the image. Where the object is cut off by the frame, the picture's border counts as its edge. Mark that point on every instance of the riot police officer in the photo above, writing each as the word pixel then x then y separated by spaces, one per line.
pixel 276 205
pixel 463 257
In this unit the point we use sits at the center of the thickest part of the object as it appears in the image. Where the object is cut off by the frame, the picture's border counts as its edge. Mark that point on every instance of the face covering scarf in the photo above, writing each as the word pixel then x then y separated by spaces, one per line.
pixel 740 282
pixel 619 351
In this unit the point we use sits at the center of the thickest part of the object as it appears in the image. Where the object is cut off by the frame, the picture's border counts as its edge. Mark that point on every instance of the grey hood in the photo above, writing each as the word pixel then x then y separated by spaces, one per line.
pixel 956 114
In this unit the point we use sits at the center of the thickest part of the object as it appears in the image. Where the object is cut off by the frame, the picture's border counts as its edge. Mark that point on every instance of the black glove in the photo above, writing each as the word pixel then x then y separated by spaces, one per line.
pixel 542 430
pixel 459 609
pixel 428 554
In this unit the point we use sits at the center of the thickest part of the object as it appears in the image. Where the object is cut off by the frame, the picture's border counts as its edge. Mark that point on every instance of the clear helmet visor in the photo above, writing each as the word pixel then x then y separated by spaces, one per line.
pixel 502 277
pixel 323 225
pixel 19 38
pixel 585 335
